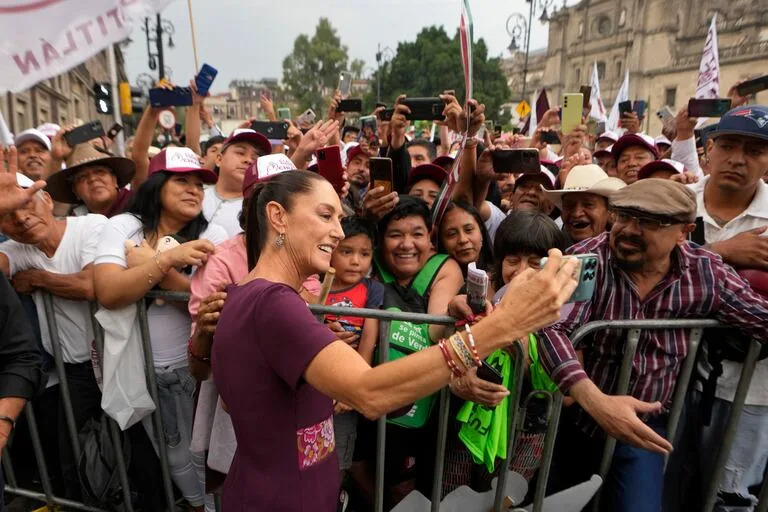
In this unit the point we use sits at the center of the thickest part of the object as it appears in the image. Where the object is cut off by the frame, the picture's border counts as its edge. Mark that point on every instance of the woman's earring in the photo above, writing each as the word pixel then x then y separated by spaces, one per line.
pixel 280 241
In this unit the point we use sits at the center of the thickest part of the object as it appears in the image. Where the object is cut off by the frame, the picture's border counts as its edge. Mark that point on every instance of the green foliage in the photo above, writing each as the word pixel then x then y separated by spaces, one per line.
pixel 432 64
pixel 357 68
pixel 314 65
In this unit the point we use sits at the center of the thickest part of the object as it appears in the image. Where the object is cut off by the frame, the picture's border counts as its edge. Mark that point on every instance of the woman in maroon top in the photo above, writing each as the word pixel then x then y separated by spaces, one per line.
pixel 278 369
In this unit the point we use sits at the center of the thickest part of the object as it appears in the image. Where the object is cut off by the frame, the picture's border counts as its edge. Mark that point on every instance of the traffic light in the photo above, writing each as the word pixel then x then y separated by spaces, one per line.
pixel 102 92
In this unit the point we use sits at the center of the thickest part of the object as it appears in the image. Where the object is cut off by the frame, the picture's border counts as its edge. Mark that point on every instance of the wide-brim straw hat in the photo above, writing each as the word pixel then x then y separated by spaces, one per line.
pixel 589 179
pixel 85 155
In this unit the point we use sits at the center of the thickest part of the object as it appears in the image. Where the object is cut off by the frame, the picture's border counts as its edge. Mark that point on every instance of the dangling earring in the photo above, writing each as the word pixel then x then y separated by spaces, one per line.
pixel 280 241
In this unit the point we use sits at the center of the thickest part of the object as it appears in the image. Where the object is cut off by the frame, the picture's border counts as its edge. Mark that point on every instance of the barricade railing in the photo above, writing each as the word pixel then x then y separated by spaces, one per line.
pixel 516 408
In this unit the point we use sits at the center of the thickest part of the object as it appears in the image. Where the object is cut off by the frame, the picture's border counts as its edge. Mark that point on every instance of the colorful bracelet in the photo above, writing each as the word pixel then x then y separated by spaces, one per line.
pixel 472 345
pixel 196 357
pixel 461 350
pixel 449 359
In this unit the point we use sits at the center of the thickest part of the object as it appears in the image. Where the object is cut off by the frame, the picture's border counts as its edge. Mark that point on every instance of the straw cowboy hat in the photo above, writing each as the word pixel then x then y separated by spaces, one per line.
pixel 85 155
pixel 590 179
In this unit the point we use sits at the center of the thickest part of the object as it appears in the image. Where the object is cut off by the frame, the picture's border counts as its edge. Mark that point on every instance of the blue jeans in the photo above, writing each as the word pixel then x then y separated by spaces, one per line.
pixel 635 480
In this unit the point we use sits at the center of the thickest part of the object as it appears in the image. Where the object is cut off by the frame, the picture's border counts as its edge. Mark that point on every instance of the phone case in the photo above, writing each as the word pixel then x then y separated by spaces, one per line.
pixel 308 117
pixel 283 113
pixel 345 82
pixel 176 97
pixel 424 109
pixel 624 107
pixel 381 173
pixel 84 133
pixel 572 105
pixel 716 107
pixel 350 105
pixel 276 130
pixel 525 160
pixel 205 78
pixel 587 275
pixel 489 373
pixel 638 107
pixel 753 86
pixel 329 166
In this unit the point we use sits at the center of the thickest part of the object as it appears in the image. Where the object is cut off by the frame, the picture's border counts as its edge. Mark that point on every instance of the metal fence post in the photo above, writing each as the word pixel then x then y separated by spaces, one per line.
pixel 381 424
pixel 37 447
pixel 681 387
pixel 66 398
pixel 724 449
pixel 114 431
pixel 157 421
pixel 625 374
pixel 442 437
pixel 512 423
pixel 549 450
pixel 8 472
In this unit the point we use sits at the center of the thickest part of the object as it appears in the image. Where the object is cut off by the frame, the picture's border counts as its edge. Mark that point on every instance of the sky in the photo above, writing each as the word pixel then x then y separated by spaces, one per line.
pixel 248 39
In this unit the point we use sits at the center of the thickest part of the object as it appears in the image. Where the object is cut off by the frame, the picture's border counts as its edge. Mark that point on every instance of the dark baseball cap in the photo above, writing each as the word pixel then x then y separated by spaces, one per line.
pixel 748 121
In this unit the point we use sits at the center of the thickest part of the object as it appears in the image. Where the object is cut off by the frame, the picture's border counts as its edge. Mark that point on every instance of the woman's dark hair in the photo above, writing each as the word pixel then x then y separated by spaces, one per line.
pixel 526 232
pixel 147 207
pixel 485 258
pixel 242 217
pixel 354 225
pixel 406 207
pixel 282 189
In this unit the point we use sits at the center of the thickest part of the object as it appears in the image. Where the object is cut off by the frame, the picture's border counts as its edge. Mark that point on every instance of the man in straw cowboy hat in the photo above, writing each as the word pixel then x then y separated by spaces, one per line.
pixel 94 181
pixel 583 201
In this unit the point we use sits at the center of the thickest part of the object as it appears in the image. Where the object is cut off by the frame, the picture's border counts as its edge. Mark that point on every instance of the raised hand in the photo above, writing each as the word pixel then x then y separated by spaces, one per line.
pixel 13 197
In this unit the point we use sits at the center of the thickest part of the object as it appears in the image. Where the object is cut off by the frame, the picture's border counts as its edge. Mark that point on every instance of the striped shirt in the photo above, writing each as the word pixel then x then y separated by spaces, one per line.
pixel 698 285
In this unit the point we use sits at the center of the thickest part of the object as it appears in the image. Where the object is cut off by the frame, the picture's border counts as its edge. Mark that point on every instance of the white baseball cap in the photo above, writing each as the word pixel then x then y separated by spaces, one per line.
pixel 32 134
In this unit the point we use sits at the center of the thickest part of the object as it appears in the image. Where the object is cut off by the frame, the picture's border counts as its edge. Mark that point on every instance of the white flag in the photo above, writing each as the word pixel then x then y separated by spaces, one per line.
pixel 40 39
pixel 6 137
pixel 623 95
pixel 708 83
pixel 534 121
pixel 598 107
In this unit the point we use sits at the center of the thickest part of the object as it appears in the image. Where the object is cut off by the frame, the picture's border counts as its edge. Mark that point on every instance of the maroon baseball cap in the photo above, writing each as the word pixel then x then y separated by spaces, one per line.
pixel 180 160
pixel 544 177
pixel 264 168
pixel 603 152
pixel 251 137
pixel 354 149
pixel 445 161
pixel 427 172
pixel 634 139
pixel 660 165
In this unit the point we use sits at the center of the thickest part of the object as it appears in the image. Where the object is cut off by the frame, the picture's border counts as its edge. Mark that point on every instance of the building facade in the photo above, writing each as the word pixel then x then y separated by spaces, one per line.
pixel 659 42
pixel 63 99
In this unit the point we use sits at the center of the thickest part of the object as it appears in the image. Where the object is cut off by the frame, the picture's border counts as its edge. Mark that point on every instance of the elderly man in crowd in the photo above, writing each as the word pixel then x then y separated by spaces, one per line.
pixel 732 219
pixel 49 254
pixel 20 361
pixel 583 201
pixel 646 269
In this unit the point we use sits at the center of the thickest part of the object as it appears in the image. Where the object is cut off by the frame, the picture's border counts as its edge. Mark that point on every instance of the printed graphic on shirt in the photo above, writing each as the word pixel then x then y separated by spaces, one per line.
pixel 315 443
pixel 354 297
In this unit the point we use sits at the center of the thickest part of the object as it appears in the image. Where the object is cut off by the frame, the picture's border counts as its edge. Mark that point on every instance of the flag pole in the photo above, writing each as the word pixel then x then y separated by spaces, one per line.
pixel 194 37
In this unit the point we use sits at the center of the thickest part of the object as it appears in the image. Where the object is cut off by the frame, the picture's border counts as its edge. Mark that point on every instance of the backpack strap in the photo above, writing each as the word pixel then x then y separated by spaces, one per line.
pixel 423 280
pixel 381 269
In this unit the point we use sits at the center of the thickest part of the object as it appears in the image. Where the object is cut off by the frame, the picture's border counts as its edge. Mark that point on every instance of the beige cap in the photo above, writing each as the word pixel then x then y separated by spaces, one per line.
pixel 658 197
pixel 590 179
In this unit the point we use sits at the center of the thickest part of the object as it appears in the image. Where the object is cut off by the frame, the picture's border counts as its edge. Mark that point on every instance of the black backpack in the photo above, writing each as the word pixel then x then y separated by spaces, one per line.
pixel 718 345
pixel 97 467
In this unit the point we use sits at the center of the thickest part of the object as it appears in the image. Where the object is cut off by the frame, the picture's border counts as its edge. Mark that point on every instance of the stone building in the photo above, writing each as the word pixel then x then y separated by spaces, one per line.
pixel 63 99
pixel 660 42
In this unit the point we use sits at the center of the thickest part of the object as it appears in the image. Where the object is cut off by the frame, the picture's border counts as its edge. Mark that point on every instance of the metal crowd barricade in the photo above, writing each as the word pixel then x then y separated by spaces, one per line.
pixel 696 326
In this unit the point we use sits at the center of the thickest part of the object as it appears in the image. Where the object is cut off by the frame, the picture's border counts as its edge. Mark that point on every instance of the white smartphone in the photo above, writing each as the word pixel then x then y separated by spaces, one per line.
pixel 307 118
pixel 345 83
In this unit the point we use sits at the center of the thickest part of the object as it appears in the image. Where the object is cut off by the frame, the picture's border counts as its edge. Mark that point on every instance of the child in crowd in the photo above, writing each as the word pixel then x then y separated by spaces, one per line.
pixel 352 288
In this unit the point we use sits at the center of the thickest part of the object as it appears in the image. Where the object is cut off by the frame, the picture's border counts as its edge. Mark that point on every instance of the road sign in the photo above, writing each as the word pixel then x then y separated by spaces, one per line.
pixel 523 108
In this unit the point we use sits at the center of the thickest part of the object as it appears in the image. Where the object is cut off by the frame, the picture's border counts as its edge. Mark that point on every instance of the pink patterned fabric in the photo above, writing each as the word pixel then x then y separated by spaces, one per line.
pixel 315 443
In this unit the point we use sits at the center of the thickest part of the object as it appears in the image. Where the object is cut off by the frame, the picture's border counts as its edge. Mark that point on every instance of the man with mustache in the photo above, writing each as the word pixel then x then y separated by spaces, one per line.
pixel 646 269
pixel 631 152
pixel 732 219
pixel 34 154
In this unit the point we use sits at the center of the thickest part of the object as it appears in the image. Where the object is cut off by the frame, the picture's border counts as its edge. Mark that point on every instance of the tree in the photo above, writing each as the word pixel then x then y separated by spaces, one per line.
pixel 313 68
pixel 432 64
pixel 357 68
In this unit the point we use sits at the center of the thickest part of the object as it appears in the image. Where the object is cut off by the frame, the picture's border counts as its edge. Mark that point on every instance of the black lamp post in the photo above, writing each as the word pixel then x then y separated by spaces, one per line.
pixel 157 58
pixel 519 30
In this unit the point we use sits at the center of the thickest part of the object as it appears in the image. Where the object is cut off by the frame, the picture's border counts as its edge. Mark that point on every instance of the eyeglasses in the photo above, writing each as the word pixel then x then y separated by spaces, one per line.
pixel 644 223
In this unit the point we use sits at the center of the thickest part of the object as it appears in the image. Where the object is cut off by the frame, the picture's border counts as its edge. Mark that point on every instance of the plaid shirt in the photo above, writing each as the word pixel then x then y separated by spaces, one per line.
pixel 698 285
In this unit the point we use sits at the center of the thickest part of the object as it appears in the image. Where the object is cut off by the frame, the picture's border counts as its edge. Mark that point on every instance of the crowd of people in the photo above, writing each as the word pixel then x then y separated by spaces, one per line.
pixel 275 409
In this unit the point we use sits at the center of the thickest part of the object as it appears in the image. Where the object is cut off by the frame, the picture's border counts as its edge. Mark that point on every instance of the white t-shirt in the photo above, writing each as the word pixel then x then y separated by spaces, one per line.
pixel 169 323
pixel 493 222
pixel 76 250
pixel 755 216
pixel 224 212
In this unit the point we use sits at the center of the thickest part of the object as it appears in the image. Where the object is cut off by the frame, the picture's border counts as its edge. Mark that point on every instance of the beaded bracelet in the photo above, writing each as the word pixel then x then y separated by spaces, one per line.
pixel 460 348
pixel 472 345
pixel 449 360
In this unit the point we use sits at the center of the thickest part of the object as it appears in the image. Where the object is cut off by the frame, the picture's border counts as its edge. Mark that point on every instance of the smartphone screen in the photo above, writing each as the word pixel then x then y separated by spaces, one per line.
pixel 381 173
pixel 716 107
pixel 369 131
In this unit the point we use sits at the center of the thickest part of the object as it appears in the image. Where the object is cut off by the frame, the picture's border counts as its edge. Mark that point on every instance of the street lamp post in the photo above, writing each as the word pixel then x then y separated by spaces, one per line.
pixel 157 58
pixel 517 26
